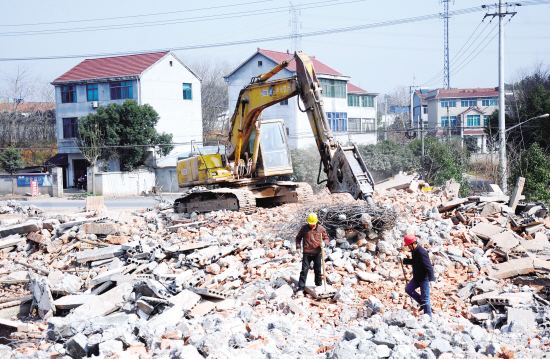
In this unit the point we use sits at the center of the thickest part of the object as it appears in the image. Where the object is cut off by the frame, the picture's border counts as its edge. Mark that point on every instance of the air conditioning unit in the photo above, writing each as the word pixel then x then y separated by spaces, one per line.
pixel 95 104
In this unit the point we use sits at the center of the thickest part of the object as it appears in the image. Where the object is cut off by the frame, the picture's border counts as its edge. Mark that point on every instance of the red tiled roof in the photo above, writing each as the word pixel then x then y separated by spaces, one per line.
pixel 106 67
pixel 279 57
pixel 466 92
pixel 355 89
pixel 26 107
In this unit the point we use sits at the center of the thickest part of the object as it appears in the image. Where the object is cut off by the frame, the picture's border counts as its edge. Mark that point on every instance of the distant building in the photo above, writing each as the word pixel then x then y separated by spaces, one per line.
pixel 351 111
pixel 461 112
pixel 159 79
pixel 420 107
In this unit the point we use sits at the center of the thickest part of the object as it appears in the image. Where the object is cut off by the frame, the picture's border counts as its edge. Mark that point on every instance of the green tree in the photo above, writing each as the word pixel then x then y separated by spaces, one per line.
pixel 443 160
pixel 535 167
pixel 10 160
pixel 124 132
pixel 387 158
pixel 305 167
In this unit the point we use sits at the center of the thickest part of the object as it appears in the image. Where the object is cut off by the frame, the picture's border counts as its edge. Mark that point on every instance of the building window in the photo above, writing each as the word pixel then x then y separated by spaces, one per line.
pixel 333 88
pixel 91 92
pixel 284 102
pixel 489 102
pixel 121 90
pixel 424 110
pixel 486 120
pixel 473 120
pixel 448 103
pixel 361 125
pixel 468 102
pixel 260 63
pixel 360 100
pixel 70 127
pixel 338 121
pixel 187 91
pixel 68 93
pixel 445 121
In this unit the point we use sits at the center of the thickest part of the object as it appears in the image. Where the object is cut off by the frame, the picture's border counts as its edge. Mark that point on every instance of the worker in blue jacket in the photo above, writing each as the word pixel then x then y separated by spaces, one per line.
pixel 423 273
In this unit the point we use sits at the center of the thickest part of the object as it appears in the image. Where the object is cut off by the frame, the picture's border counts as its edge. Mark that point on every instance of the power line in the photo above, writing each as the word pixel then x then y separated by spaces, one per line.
pixel 135 16
pixel 477 51
pixel 141 24
pixel 256 40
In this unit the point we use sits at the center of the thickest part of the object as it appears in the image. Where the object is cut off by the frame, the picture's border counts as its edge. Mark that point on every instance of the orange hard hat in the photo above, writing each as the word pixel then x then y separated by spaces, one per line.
pixel 409 239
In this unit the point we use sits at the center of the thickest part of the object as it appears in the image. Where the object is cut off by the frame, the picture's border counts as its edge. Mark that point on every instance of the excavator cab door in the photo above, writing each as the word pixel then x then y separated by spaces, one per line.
pixel 274 152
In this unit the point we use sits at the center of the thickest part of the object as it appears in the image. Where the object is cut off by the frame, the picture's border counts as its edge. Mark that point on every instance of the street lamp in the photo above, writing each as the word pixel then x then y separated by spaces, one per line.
pixel 503 149
pixel 532 118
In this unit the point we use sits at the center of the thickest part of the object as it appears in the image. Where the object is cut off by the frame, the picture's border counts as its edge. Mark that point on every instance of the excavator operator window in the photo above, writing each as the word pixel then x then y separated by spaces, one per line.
pixel 273 146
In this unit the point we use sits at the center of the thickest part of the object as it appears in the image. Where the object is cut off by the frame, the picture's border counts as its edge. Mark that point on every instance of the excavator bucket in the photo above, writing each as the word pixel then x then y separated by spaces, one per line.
pixel 349 174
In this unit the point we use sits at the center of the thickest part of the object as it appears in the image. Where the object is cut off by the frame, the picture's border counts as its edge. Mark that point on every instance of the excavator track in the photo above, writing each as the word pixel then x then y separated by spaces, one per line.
pixel 205 200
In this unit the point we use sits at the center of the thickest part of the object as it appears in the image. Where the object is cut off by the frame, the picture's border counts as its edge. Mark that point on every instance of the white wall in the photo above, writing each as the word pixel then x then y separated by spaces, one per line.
pixel 161 87
pixel 119 184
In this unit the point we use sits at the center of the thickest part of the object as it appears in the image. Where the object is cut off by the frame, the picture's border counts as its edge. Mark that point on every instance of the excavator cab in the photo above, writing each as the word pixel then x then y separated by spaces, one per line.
pixel 274 157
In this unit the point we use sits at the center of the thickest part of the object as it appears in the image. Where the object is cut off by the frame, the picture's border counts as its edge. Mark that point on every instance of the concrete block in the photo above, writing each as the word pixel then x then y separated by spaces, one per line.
pixel 103 304
pixel 486 230
pixel 72 301
pixel 368 277
pixel 190 352
pixel 505 240
pixel 23 228
pixel 490 209
pixel 110 347
pixel 440 346
pixel 37 238
pixel 77 346
pixel 538 244
pixel 455 203
pixel 95 203
pixel 185 299
pixel 523 317
pixel 202 309
pixel 64 282
pixel 11 241
pixel 42 296
pixel 99 253
pixel 101 228
pixel 513 268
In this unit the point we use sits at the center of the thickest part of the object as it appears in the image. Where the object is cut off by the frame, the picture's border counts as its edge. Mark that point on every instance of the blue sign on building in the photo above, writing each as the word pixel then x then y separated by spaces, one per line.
pixel 25 180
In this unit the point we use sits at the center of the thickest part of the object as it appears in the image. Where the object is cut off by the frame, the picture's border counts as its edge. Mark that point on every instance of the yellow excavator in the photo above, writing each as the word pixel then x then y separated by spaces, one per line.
pixel 256 161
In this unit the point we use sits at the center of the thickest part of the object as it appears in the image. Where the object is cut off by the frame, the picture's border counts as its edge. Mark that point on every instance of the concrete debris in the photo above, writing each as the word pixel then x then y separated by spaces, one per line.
pixel 158 284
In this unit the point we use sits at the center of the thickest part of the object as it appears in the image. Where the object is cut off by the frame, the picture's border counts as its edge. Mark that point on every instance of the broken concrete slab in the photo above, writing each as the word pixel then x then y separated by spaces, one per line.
pixel 486 230
pixel 504 240
pixel 209 293
pixel 101 228
pixel 538 244
pixel 111 274
pixel 77 346
pixel 449 206
pixel 63 282
pixel 73 300
pixel 42 296
pixel 11 241
pixel 491 209
pixel 513 268
pixel 400 181
pixel 523 317
pixel 185 299
pixel 98 254
pixel 103 304
pixel 368 277
pixel 15 325
pixel 201 309
pixel 23 228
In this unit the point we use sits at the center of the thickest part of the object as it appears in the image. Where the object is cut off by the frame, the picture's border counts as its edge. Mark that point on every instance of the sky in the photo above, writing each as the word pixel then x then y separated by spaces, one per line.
pixel 378 59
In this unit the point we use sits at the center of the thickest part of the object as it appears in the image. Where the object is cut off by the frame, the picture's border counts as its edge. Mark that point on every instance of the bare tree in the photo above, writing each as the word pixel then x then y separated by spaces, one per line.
pixel 214 96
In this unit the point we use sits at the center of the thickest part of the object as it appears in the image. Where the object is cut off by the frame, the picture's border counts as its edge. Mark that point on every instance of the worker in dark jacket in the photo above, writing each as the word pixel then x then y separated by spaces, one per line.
pixel 310 237
pixel 423 273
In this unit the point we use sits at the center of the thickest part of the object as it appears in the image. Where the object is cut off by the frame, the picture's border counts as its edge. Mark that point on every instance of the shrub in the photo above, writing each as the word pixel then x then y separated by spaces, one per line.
pixel 535 167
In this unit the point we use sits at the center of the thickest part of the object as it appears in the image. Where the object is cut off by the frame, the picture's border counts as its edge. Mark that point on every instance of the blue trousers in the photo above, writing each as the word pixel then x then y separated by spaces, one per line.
pixel 424 297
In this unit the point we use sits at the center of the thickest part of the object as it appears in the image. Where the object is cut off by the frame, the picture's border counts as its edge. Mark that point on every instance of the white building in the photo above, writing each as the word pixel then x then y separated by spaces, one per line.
pixel 462 112
pixel 159 79
pixel 351 111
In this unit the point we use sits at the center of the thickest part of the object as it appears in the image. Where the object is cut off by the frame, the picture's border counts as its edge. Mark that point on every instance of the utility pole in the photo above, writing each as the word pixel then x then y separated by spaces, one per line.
pixel 501 104
pixel 295 25
pixel 446 67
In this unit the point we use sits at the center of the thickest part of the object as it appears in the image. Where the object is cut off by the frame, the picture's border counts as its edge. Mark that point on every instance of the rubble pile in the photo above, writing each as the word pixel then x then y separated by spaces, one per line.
pixel 221 285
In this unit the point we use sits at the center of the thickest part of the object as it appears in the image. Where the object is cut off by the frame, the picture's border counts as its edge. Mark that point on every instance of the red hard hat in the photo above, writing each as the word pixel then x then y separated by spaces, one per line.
pixel 409 239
